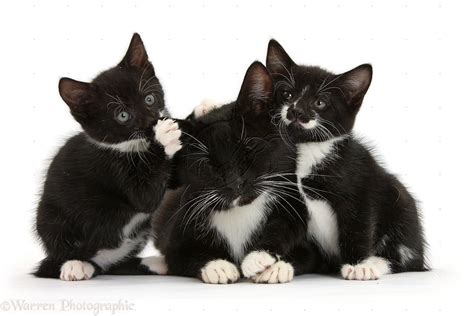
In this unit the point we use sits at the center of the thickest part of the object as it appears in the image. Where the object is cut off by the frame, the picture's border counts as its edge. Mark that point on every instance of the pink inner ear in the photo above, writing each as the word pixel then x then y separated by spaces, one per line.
pixel 139 57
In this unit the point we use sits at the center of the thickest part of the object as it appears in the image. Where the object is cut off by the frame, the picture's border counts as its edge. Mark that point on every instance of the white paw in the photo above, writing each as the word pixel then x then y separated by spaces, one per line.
pixel 75 270
pixel 370 269
pixel 256 262
pixel 279 272
pixel 205 107
pixel 220 272
pixel 156 264
pixel 167 133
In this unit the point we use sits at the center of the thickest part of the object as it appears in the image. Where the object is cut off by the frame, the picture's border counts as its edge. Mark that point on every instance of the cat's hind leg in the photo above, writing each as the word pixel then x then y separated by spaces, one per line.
pixel 139 266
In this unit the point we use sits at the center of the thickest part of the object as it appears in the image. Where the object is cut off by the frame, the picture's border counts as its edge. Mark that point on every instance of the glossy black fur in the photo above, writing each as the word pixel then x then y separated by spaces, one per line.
pixel 91 192
pixel 375 212
pixel 230 148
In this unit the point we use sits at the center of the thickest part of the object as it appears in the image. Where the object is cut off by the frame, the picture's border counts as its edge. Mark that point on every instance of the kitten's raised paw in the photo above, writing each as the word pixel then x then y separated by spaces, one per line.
pixel 156 264
pixel 75 270
pixel 279 272
pixel 370 269
pixel 220 272
pixel 256 262
pixel 167 133
pixel 205 107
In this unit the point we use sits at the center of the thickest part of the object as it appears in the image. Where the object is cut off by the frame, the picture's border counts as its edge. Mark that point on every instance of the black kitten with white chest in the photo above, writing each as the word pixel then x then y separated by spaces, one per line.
pixel 362 218
pixel 104 183
pixel 239 209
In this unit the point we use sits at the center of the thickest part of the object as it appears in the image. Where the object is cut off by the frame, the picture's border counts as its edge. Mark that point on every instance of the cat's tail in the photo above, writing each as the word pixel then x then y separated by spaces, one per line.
pixel 48 268
pixel 139 266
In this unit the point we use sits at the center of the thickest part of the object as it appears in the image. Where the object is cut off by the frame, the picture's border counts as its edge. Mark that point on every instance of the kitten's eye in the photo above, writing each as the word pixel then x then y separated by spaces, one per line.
pixel 320 104
pixel 286 95
pixel 123 117
pixel 150 99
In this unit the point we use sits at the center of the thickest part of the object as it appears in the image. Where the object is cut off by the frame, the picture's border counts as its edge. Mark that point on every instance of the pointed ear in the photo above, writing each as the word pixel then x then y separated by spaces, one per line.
pixel 77 95
pixel 278 61
pixel 136 55
pixel 355 84
pixel 256 92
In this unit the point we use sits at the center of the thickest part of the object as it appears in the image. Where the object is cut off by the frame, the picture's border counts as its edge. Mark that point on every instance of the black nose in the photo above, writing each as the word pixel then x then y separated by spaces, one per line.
pixel 237 185
pixel 295 113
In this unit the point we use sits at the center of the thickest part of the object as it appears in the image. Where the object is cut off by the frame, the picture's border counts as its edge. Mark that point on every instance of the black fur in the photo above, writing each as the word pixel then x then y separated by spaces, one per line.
pixel 92 191
pixel 376 215
pixel 231 151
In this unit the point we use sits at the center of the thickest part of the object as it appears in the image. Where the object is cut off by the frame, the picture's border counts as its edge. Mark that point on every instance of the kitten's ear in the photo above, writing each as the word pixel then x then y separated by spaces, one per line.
pixel 136 55
pixel 256 92
pixel 355 84
pixel 278 61
pixel 77 95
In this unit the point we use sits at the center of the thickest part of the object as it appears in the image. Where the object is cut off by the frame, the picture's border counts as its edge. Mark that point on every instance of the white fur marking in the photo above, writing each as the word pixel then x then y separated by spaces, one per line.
pixel 322 225
pixel 75 270
pixel 284 113
pixel 237 225
pixel 205 107
pixel 133 145
pixel 106 257
pixel 220 272
pixel 256 262
pixel 371 268
pixel 406 254
pixel 279 272
pixel 310 124
pixel 312 154
pixel 167 133
pixel 156 264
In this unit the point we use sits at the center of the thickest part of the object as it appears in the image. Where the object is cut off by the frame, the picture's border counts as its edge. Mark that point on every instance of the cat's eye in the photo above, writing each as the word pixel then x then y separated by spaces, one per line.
pixel 150 99
pixel 286 95
pixel 123 117
pixel 320 104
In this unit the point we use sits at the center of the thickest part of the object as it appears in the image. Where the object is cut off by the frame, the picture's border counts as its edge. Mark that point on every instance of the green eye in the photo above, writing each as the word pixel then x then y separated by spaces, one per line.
pixel 123 117
pixel 150 99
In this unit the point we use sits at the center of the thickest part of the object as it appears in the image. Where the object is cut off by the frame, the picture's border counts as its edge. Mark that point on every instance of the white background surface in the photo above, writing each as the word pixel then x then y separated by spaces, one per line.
pixel 418 112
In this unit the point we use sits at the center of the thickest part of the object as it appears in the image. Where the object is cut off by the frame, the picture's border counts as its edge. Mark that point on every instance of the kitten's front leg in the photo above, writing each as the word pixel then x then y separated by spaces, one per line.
pixel 167 133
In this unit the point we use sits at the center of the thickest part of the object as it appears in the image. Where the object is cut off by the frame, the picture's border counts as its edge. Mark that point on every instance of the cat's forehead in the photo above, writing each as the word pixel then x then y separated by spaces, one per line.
pixel 307 77
pixel 123 81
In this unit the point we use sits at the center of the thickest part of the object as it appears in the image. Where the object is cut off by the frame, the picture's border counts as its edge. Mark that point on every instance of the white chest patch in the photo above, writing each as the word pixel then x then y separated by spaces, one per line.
pixel 322 225
pixel 237 225
pixel 310 155
pixel 107 257
pixel 132 145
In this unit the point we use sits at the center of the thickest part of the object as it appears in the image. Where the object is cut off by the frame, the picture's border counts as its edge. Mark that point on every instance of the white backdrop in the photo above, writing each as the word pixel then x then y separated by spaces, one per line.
pixel 418 113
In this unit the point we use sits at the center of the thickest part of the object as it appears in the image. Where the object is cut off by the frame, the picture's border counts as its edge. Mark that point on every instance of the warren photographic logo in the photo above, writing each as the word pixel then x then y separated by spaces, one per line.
pixel 68 305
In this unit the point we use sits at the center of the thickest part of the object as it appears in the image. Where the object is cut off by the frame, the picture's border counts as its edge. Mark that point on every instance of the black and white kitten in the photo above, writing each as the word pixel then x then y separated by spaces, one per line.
pixel 361 216
pixel 104 183
pixel 239 206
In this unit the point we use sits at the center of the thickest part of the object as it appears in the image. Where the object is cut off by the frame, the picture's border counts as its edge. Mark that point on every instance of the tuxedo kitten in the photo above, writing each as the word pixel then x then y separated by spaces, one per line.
pixel 363 219
pixel 104 183
pixel 239 205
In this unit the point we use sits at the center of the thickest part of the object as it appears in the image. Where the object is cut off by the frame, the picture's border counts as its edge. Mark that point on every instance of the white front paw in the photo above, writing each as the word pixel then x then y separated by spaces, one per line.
pixel 167 133
pixel 220 272
pixel 205 107
pixel 256 262
pixel 156 264
pixel 371 268
pixel 279 272
pixel 75 270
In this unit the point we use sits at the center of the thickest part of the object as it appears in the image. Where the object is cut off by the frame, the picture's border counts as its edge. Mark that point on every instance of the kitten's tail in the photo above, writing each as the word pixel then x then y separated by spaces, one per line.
pixel 48 268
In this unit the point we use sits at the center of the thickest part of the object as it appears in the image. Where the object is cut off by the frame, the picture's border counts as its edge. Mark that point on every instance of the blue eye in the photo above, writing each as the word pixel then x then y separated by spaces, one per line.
pixel 123 117
pixel 150 99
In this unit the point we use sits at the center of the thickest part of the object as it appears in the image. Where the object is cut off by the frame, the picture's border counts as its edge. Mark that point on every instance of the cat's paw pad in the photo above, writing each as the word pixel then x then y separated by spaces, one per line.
pixel 156 264
pixel 220 272
pixel 75 270
pixel 279 272
pixel 256 262
pixel 167 133
pixel 370 269
pixel 205 107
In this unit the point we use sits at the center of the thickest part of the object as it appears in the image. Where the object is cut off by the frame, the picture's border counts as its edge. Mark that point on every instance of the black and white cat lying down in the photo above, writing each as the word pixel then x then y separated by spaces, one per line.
pixel 102 186
pixel 361 217
pixel 239 208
